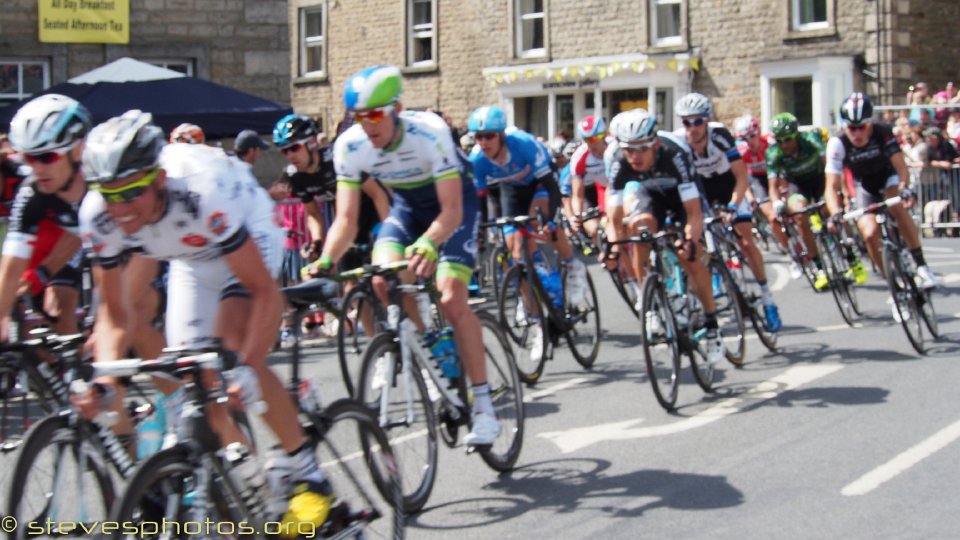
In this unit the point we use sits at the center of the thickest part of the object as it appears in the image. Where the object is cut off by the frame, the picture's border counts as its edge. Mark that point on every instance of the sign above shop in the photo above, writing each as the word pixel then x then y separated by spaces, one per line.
pixel 84 21
pixel 587 72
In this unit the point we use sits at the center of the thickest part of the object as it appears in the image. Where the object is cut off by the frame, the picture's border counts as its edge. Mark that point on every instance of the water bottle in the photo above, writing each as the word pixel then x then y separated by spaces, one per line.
pixel 715 278
pixel 445 351
pixel 425 309
pixel 150 431
pixel 551 282
pixel 670 263
pixel 279 471
pixel 245 473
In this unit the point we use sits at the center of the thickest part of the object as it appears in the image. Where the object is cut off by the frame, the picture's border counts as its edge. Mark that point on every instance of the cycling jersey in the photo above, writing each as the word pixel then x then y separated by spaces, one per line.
pixel 527 160
pixel 589 167
pixel 30 208
pixel 869 164
pixel 712 165
pixel 666 186
pixel 756 162
pixel 422 157
pixel 803 169
pixel 213 205
pixel 319 185
pixel 13 173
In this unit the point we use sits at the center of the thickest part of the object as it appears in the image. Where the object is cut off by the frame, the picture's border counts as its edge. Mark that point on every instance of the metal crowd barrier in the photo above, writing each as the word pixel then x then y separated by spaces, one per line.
pixel 938 197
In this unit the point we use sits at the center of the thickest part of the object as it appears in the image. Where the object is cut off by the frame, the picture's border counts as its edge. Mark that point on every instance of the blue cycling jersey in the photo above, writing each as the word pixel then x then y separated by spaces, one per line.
pixel 566 188
pixel 527 159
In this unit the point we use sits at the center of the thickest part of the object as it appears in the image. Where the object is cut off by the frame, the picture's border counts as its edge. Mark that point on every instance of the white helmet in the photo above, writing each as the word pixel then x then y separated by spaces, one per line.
pixel 122 146
pixel 694 104
pixel 634 126
pixel 49 122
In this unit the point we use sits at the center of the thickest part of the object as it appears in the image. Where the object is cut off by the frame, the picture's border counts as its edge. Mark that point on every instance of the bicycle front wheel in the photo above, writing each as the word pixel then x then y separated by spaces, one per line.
pixel 359 310
pixel 506 393
pixel 583 330
pixel 661 350
pixel 523 317
pixel 928 312
pixel 402 403
pixel 904 294
pixel 838 281
pixel 59 476
pixel 729 315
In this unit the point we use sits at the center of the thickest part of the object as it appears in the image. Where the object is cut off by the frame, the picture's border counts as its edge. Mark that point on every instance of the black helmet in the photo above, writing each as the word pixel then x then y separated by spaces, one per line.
pixel 856 109
pixel 293 128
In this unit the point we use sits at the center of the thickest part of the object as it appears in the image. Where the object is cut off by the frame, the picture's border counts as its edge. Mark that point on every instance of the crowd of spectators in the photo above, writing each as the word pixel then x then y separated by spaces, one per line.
pixel 929 131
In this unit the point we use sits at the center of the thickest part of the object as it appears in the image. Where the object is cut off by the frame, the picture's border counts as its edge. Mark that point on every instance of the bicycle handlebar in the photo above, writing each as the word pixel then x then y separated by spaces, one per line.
pixel 873 208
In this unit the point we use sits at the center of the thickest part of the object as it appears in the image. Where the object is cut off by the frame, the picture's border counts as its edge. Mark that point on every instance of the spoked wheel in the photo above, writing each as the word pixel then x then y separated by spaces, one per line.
pixel 729 314
pixel 761 230
pixel 928 312
pixel 661 350
pixel 524 323
pixel 798 254
pixel 904 295
pixel 353 336
pixel 626 286
pixel 839 284
pixel 506 393
pixel 583 333
pixel 401 401
pixel 703 372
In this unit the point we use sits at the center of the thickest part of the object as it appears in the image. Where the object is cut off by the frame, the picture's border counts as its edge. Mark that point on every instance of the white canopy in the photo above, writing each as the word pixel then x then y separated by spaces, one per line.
pixel 126 70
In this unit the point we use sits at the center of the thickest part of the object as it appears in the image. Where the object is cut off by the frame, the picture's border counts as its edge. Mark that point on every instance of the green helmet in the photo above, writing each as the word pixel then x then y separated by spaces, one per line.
pixel 784 125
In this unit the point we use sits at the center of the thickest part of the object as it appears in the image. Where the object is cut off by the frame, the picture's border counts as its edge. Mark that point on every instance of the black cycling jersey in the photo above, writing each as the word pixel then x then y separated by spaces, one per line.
pixel 871 162
pixel 664 187
pixel 713 164
pixel 30 207
pixel 319 184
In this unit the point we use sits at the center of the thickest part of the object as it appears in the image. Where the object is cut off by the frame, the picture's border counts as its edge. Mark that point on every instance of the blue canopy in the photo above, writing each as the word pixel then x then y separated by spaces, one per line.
pixel 220 111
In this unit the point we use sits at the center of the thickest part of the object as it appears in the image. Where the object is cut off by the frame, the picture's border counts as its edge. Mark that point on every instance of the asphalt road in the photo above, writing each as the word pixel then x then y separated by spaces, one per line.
pixel 844 433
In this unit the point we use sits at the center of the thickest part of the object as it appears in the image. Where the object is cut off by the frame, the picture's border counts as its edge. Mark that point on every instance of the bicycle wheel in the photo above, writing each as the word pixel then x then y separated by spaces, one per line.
pixel 798 253
pixel 352 336
pixel 729 314
pixel 506 393
pixel 623 283
pixel 583 332
pixel 59 476
pixel 522 323
pixel 703 372
pixel 761 230
pixel 838 281
pixel 902 289
pixel 928 312
pixel 661 350
pixel 357 458
pixel 404 408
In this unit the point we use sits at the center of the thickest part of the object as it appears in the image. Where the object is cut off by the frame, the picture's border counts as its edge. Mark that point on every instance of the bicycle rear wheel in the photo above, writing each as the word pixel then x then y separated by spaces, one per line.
pixel 928 312
pixel 839 285
pixel 661 350
pixel 583 332
pixel 59 476
pixel 729 314
pixel 506 393
pixel 404 409
pixel 903 291
pixel 352 335
pixel 522 323
pixel 798 254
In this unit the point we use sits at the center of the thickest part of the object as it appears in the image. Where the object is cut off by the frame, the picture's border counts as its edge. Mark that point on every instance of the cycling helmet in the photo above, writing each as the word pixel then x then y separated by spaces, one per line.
pixel 122 146
pixel 49 122
pixel 856 109
pixel 375 86
pixel 591 126
pixel 746 126
pixel 784 125
pixel 487 119
pixel 634 126
pixel 293 128
pixel 694 104
pixel 187 133
pixel 570 148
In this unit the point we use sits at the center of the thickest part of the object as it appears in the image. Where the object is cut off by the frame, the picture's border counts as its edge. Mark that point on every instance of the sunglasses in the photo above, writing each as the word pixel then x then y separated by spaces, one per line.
pixel 638 147
pixel 597 138
pixel 856 127
pixel 295 147
pixel 129 192
pixel 786 138
pixel 695 122
pixel 372 116
pixel 46 158
pixel 486 135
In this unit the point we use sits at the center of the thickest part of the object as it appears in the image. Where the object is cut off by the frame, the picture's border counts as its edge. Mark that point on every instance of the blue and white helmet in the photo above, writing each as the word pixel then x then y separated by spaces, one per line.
pixel 487 119
pixel 856 109
pixel 634 126
pixel 49 122
pixel 694 104
pixel 376 86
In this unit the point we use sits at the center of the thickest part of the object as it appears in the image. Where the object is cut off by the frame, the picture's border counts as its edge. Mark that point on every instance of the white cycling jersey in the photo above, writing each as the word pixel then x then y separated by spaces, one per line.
pixel 587 166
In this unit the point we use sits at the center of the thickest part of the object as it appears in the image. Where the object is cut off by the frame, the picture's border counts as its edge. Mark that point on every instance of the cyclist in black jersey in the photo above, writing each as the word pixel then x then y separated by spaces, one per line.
pixel 872 154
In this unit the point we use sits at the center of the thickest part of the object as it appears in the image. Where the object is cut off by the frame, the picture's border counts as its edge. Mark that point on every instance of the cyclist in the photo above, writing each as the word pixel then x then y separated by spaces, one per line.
pixel 566 189
pixel 796 162
pixel 187 133
pixel 521 166
pixel 434 218
pixel 206 214
pixel 660 166
pixel 872 154
pixel 589 179
pixel 41 252
pixel 723 177
pixel 752 146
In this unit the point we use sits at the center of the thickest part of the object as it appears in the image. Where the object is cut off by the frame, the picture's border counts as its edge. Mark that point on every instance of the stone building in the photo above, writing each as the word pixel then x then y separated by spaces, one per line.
pixel 550 62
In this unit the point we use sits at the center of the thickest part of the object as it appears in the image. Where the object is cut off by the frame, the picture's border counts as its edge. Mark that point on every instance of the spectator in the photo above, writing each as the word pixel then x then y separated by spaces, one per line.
pixel 953 125
pixel 946 95
pixel 942 98
pixel 249 146
pixel 919 94
pixel 941 153
pixel 921 116
pixel 889 117
pixel 914 147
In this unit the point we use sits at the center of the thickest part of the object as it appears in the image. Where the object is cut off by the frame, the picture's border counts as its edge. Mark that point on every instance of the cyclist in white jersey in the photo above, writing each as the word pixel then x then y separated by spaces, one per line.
pixel 587 171
pixel 206 214
pixel 434 218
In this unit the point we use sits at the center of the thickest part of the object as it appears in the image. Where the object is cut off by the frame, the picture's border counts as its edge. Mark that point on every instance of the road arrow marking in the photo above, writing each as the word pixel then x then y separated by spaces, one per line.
pixel 575 439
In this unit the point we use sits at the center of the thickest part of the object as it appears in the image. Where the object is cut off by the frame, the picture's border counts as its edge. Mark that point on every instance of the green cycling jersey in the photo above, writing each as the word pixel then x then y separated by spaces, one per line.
pixel 805 167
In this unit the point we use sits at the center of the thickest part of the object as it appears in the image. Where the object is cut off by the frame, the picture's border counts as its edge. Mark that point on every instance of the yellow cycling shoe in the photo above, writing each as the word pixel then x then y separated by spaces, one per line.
pixel 822 281
pixel 307 511
pixel 857 273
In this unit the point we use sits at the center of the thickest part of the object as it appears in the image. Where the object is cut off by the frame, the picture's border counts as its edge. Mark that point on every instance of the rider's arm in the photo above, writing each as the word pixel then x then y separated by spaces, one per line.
pixel 314 220
pixel 739 169
pixel 450 196
pixel 344 227
pixel 11 268
pixel 65 249
pixel 900 165
pixel 834 174
pixel 111 328
pixel 576 195
pixel 378 194
pixel 246 263
pixel 834 184
pixel 693 229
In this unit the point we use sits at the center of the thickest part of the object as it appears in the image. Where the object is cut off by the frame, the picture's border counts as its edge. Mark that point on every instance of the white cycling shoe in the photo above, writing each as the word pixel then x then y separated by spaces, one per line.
pixel 484 430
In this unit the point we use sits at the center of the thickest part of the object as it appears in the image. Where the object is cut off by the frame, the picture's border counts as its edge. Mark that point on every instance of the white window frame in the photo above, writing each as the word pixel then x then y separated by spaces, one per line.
pixel 798 26
pixel 306 42
pixel 519 18
pixel 419 31
pixel 20 63
pixel 667 41
pixel 166 63
pixel 832 80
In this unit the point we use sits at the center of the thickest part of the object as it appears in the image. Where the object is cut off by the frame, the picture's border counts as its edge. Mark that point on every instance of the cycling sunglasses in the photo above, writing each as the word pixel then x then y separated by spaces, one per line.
pixel 695 122
pixel 291 148
pixel 638 147
pixel 596 138
pixel 486 135
pixel 129 192
pixel 786 138
pixel 45 158
pixel 855 127
pixel 372 116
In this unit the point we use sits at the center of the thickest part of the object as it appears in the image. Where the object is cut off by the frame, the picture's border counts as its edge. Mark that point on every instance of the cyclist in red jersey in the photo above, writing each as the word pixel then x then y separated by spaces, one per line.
pixel 752 146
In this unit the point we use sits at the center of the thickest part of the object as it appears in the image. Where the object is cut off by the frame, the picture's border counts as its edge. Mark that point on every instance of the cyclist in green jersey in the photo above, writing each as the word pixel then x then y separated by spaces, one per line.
pixel 796 163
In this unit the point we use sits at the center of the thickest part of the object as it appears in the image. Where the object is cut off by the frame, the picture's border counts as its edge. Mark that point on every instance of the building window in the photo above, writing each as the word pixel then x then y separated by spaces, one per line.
pixel 809 14
pixel 421 32
pixel 530 114
pixel 666 22
pixel 530 28
pixel 794 95
pixel 184 66
pixel 313 26
pixel 20 79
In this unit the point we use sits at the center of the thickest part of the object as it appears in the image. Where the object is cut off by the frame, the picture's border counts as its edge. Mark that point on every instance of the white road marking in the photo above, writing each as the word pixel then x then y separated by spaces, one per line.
pixel 873 479
pixel 575 439
pixel 782 276
pixel 553 389
pixel 939 249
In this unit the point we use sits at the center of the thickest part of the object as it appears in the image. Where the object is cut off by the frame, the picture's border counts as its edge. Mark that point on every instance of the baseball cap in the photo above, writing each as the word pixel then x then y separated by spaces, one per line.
pixel 932 131
pixel 248 139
